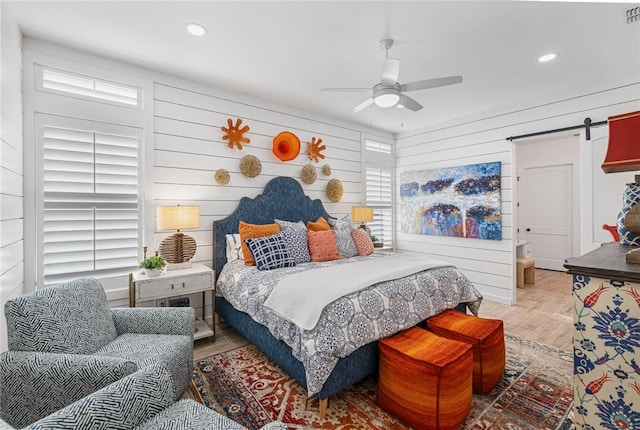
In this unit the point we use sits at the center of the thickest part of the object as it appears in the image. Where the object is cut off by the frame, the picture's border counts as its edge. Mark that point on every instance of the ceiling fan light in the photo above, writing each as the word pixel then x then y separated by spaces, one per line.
pixel 386 100
pixel 196 29
pixel 548 57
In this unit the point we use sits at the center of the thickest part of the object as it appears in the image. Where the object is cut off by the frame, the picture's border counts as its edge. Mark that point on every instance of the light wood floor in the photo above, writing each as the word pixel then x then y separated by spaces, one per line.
pixel 543 313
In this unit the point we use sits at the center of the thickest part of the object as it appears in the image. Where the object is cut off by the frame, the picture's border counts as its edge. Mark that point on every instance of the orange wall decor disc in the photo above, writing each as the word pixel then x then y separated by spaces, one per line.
pixel 286 146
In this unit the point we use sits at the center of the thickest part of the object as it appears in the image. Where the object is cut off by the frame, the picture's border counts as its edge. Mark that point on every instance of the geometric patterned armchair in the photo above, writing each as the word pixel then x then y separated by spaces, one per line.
pixel 65 343
pixel 140 401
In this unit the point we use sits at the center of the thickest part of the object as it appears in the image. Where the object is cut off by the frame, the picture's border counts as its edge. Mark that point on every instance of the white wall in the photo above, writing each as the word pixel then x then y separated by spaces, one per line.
pixel 40 102
pixel 188 149
pixel 481 138
pixel 601 195
pixel 11 165
pixel 184 147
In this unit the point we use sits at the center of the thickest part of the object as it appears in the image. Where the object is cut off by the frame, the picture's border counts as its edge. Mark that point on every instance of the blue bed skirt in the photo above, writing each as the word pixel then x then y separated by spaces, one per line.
pixel 349 370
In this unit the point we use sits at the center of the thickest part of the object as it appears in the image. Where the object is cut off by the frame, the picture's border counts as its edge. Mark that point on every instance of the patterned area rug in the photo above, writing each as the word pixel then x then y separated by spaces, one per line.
pixel 536 392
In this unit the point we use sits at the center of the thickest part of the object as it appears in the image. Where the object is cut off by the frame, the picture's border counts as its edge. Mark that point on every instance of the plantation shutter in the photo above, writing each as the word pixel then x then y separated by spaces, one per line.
pixel 90 219
pixel 379 197
pixel 378 188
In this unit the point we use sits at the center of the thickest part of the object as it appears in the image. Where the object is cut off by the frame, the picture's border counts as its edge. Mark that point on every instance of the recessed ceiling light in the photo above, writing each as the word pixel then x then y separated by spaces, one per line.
pixel 196 29
pixel 548 57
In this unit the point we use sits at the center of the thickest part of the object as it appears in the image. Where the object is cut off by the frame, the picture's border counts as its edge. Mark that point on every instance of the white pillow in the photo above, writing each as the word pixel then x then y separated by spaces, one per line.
pixel 234 247
pixel 346 247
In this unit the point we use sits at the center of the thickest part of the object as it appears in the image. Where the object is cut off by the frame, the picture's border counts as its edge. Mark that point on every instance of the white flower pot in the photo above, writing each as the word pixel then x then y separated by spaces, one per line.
pixel 152 273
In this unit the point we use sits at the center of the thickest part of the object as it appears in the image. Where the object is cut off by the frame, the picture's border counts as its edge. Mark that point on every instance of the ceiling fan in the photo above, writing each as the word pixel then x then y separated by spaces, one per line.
pixel 389 92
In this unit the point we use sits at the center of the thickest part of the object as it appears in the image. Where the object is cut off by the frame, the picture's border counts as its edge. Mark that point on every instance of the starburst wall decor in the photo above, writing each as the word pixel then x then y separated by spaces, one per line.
pixel 314 149
pixel 235 134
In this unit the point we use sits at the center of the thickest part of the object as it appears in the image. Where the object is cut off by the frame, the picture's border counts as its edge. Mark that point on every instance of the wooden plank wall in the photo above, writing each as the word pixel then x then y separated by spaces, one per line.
pixel 491 264
pixel 11 167
pixel 188 149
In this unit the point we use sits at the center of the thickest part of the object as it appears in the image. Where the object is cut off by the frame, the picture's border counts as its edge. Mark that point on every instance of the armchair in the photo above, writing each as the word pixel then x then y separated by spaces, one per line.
pixel 141 401
pixel 70 343
pixel 34 384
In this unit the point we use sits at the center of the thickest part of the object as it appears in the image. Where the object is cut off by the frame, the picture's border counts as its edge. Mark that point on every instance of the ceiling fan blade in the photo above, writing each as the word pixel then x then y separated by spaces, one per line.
pixel 409 103
pixel 363 105
pixel 390 71
pixel 431 83
pixel 348 90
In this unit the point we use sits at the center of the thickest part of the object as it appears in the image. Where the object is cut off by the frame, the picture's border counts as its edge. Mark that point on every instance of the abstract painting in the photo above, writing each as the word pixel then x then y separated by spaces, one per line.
pixel 461 201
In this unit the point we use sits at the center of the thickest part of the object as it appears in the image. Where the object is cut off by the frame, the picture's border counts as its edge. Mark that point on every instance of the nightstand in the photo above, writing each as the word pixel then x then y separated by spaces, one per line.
pixel 198 278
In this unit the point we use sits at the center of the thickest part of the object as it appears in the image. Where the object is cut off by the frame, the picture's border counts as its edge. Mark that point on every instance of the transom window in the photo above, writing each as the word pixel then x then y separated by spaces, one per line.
pixel 88 87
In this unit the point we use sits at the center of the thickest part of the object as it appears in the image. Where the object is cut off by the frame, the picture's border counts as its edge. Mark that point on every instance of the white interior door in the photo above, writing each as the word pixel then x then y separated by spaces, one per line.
pixel 547 211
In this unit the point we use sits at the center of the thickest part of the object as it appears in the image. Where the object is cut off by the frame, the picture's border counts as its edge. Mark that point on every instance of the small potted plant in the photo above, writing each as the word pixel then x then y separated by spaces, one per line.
pixel 376 242
pixel 153 265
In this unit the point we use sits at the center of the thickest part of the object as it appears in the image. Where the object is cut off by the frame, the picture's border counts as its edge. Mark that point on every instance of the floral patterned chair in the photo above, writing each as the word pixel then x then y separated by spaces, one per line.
pixel 65 343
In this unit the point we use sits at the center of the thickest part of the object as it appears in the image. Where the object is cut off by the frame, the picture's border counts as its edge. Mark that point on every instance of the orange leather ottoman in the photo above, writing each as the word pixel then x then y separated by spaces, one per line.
pixel 425 380
pixel 485 335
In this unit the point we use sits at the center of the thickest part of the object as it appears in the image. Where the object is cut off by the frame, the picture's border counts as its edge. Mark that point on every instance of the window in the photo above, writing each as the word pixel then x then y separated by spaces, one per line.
pixel 378 196
pixel 383 148
pixel 87 87
pixel 88 217
pixel 378 188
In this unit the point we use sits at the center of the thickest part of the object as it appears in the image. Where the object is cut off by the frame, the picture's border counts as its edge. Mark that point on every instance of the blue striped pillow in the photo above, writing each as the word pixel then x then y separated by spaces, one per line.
pixel 270 252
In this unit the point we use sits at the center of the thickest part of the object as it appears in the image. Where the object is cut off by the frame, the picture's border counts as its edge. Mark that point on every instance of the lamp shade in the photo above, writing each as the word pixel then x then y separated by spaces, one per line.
pixel 177 217
pixel 623 151
pixel 361 214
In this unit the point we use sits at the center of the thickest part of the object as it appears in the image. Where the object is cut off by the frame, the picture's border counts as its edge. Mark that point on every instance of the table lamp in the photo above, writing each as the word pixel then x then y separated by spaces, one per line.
pixel 623 155
pixel 362 214
pixel 178 248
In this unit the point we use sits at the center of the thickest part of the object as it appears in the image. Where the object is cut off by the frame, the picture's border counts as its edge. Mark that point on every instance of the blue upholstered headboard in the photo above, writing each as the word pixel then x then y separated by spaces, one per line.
pixel 282 198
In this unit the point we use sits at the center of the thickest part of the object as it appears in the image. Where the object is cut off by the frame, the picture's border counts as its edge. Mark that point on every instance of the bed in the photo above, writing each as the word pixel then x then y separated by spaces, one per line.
pixel 284 199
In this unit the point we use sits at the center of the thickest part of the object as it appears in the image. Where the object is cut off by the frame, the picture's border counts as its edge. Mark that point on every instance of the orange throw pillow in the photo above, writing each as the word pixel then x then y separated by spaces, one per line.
pixel 250 231
pixel 319 225
pixel 322 245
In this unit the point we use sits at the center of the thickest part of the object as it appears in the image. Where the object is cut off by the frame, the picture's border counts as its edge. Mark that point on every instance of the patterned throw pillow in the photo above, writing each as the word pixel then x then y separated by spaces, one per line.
pixel 342 228
pixel 234 247
pixel 270 252
pixel 250 231
pixel 363 242
pixel 288 225
pixel 318 225
pixel 297 245
pixel 322 245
